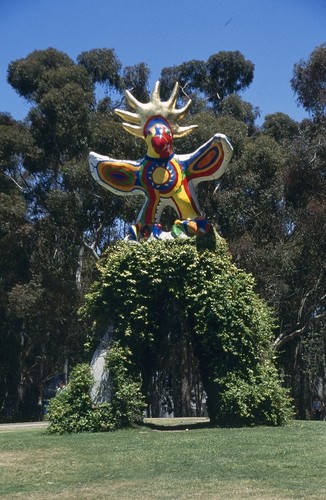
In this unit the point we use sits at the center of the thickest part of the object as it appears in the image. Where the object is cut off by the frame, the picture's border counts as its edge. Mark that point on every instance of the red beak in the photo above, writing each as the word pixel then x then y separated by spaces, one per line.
pixel 162 145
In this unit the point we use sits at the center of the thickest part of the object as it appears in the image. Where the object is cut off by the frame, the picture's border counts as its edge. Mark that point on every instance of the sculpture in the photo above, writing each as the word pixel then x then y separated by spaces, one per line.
pixel 163 177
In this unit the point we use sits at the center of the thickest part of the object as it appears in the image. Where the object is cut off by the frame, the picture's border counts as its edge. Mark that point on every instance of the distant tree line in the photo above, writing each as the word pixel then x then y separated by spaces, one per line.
pixel 55 221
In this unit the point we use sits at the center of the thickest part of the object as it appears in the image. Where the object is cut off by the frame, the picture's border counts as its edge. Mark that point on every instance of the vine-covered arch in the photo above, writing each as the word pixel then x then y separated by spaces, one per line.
pixel 189 316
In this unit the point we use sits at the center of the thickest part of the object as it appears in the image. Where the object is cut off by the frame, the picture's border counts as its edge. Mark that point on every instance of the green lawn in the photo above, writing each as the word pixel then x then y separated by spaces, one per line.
pixel 145 463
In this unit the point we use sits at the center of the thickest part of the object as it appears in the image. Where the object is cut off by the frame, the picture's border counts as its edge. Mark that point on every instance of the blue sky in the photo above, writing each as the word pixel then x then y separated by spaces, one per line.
pixel 273 34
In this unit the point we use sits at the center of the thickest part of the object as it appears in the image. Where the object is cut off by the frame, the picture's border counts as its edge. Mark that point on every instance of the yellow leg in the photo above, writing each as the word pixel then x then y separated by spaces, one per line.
pixel 185 204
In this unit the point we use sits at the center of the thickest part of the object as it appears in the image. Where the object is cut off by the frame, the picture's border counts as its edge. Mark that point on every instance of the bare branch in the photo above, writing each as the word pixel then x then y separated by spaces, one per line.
pixel 307 295
pixel 15 182
pixel 287 336
pixel 91 248
pixel 79 266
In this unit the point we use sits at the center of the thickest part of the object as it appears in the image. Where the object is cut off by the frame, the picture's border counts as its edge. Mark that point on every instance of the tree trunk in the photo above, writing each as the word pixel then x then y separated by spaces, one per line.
pixel 182 373
pixel 297 378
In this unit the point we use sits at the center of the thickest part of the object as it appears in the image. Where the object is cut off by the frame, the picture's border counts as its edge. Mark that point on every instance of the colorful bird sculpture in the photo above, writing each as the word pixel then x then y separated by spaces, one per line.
pixel 162 177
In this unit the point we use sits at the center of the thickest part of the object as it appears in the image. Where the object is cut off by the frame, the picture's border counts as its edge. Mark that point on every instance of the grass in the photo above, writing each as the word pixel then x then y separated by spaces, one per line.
pixel 262 463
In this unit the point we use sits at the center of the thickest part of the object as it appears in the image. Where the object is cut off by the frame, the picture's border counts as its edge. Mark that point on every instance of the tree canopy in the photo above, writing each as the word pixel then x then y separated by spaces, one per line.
pixel 55 222
pixel 308 81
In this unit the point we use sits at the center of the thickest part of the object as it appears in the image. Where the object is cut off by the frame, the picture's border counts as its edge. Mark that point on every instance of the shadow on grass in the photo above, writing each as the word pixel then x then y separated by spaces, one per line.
pixel 177 426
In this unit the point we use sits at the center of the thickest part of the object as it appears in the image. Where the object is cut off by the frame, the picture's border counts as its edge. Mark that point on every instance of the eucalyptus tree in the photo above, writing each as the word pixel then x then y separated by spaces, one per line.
pixel 271 208
pixel 44 159
pixel 15 241
pixel 308 81
pixel 302 336
pixel 224 73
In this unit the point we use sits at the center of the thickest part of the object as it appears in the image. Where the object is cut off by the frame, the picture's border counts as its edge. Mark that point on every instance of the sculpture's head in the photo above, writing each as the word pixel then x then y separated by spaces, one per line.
pixel 158 135
pixel 156 121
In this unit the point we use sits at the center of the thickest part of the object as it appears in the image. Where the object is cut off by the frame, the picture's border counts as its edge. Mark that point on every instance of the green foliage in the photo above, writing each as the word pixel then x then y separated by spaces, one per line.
pixel 73 410
pixel 241 110
pixel 256 399
pixel 281 127
pixel 27 75
pixel 127 402
pixel 103 66
pixel 222 74
pixel 159 293
pixel 229 72
pixel 136 78
pixel 309 79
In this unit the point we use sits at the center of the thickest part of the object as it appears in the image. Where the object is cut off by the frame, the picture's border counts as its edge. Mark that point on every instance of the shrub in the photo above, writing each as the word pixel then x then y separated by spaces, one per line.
pixel 258 399
pixel 72 410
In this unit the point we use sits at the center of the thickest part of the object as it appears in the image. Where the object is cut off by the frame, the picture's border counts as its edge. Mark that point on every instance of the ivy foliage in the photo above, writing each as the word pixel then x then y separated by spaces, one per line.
pixel 127 402
pixel 73 410
pixel 159 292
